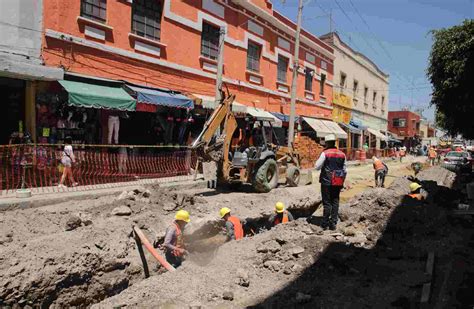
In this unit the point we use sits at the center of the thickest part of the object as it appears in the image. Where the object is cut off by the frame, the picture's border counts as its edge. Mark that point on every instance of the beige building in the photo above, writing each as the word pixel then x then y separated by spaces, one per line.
pixel 361 94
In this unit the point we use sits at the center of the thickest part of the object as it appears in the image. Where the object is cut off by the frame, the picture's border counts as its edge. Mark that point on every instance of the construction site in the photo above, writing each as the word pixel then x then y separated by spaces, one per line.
pixel 83 253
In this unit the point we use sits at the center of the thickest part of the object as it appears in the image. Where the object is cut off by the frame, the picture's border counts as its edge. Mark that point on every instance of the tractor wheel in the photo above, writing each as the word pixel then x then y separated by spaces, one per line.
pixel 266 177
pixel 292 176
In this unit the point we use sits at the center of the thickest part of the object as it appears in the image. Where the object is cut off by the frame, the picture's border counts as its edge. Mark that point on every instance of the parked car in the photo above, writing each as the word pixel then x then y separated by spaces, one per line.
pixel 458 161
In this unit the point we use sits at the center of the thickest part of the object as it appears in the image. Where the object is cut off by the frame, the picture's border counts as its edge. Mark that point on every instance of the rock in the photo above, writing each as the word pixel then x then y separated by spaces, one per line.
pixel 296 251
pixel 270 246
pixel 73 222
pixel 228 295
pixel 131 195
pixel 144 200
pixel 169 206
pixel 212 297
pixel 349 231
pixel 302 298
pixel 243 277
pixel 274 266
pixel 122 211
pixel 146 193
pixel 122 196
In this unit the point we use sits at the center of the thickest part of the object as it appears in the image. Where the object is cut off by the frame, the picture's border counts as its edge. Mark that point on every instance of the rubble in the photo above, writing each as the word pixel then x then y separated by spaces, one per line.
pixel 121 211
pixel 73 222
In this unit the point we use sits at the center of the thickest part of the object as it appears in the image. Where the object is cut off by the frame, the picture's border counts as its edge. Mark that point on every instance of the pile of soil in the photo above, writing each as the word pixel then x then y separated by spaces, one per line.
pixel 80 252
pixel 288 265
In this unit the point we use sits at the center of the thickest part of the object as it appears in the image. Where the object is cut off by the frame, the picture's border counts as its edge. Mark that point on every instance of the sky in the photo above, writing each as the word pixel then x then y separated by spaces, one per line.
pixel 392 33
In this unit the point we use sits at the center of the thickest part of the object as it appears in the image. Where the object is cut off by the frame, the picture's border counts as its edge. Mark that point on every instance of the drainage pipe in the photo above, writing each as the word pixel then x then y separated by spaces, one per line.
pixel 152 250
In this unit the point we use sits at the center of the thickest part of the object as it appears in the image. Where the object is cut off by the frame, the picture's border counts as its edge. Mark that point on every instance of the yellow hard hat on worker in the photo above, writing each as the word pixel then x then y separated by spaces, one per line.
pixel 414 186
pixel 182 215
pixel 279 207
pixel 224 211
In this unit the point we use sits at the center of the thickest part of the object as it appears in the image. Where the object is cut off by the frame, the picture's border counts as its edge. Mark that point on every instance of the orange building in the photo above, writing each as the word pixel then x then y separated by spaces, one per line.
pixel 174 44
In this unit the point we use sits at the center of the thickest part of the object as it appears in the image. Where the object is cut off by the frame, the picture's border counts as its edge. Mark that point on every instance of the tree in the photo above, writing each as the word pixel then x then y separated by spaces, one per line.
pixel 451 71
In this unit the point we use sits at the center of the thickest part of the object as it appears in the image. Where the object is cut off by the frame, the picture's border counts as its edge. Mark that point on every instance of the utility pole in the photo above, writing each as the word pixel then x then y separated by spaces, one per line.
pixel 291 131
pixel 220 64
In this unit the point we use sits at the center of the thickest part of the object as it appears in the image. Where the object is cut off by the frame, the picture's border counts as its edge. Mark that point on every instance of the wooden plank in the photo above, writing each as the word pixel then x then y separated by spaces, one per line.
pixel 430 263
pixel 425 293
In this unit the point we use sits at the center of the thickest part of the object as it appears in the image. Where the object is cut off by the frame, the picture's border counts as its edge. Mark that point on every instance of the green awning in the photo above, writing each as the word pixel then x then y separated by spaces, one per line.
pixel 98 96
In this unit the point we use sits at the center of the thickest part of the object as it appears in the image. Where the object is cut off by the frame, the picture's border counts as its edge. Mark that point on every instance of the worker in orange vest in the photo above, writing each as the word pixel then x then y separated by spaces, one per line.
pixel 415 192
pixel 174 242
pixel 432 154
pixel 281 215
pixel 233 226
pixel 381 170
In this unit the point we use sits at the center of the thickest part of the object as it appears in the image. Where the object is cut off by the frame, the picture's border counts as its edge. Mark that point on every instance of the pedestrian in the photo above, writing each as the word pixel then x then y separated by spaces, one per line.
pixel 281 215
pixel 366 147
pixel 402 153
pixel 233 226
pixel 432 155
pixel 67 159
pixel 381 170
pixel 175 249
pixel 332 164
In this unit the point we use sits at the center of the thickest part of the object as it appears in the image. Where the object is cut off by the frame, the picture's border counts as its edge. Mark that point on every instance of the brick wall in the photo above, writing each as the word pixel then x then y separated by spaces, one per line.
pixel 308 150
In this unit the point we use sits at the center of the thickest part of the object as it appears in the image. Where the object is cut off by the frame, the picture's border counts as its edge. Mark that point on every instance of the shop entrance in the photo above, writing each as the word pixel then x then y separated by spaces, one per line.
pixel 13 109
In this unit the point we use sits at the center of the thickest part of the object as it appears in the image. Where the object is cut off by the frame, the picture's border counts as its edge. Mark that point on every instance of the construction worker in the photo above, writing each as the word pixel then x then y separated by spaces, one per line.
pixel 332 163
pixel 280 215
pixel 403 151
pixel 174 241
pixel 233 226
pixel 381 170
pixel 415 191
pixel 432 155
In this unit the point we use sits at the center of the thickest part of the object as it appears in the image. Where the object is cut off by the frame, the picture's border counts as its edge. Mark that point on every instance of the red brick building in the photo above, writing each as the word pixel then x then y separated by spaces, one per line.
pixel 173 44
pixel 405 124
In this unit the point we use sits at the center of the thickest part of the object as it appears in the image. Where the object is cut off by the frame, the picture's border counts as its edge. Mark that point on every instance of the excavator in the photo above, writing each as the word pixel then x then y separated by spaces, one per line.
pixel 241 148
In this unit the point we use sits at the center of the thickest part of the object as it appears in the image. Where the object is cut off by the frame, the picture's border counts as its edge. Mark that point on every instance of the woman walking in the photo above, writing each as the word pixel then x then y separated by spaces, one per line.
pixel 67 160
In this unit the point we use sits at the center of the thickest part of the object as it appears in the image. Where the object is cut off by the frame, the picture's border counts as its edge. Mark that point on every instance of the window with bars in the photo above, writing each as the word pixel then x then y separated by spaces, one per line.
pixel 210 41
pixel 94 9
pixel 322 82
pixel 355 87
pixel 282 68
pixel 146 18
pixel 253 57
pixel 308 79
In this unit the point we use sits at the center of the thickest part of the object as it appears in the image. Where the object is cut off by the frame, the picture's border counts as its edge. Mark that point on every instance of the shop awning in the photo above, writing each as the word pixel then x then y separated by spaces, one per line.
pixel 335 129
pixel 98 96
pixel 283 117
pixel 261 114
pixel 210 103
pixel 358 124
pixel 351 128
pixel 325 127
pixel 377 134
pixel 161 97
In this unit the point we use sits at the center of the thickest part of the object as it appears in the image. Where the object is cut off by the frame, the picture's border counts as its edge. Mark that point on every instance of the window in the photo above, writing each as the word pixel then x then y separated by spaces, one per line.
pixel 282 68
pixel 366 91
pixel 94 9
pixel 355 87
pixel 321 84
pixel 253 57
pixel 399 122
pixel 382 104
pixel 342 82
pixel 374 100
pixel 210 41
pixel 146 19
pixel 324 65
pixel 308 79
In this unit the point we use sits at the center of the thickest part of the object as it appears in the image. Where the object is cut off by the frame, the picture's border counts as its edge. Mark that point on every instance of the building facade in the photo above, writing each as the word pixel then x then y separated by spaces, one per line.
pixel 174 44
pixel 360 93
pixel 21 64
pixel 406 125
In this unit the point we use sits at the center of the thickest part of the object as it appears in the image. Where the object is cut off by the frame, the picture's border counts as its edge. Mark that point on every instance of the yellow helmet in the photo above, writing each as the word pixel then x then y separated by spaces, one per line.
pixel 224 211
pixel 279 207
pixel 182 215
pixel 414 186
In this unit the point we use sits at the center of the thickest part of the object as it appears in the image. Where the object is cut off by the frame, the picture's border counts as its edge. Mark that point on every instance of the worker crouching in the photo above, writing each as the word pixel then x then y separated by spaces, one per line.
pixel 174 241
pixel 281 215
pixel 415 192
pixel 233 226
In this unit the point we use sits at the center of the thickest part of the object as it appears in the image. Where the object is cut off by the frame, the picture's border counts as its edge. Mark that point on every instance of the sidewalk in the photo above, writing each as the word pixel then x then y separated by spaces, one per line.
pixel 53 195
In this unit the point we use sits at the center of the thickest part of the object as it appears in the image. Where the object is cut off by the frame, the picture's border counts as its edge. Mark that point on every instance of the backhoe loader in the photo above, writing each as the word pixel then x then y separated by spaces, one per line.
pixel 240 146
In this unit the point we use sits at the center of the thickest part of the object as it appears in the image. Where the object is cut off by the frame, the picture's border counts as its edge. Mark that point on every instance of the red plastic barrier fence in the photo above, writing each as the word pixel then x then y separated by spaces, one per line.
pixel 41 164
